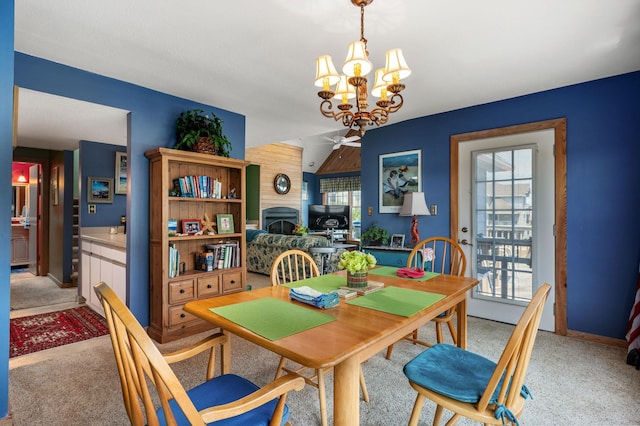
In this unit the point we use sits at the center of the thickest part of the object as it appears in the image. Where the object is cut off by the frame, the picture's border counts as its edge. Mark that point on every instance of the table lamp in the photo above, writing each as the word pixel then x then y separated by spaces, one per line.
pixel 414 205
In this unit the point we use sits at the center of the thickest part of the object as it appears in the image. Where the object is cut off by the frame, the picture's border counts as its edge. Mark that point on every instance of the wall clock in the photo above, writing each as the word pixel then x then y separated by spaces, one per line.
pixel 282 183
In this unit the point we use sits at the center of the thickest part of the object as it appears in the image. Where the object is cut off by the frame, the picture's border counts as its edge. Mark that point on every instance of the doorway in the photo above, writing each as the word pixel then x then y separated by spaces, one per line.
pixel 497 264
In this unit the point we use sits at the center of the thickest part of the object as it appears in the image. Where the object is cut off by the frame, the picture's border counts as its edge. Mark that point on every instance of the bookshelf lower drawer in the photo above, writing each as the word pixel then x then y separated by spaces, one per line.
pixel 181 291
pixel 208 287
pixel 178 316
pixel 232 281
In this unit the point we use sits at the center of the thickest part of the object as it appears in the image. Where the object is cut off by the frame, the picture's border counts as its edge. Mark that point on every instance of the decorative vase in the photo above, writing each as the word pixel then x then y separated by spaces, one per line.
pixel 357 279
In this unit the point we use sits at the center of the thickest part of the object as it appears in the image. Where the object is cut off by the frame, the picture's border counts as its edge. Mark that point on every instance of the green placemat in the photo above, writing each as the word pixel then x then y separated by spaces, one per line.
pixel 396 300
pixel 390 271
pixel 323 283
pixel 272 318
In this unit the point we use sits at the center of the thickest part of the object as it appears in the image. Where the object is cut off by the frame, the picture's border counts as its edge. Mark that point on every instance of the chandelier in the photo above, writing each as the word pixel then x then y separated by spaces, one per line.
pixel 353 84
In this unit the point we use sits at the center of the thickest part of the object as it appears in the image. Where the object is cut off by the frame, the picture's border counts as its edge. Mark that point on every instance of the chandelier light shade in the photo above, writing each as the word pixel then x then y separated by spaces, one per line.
pixel 326 74
pixel 353 83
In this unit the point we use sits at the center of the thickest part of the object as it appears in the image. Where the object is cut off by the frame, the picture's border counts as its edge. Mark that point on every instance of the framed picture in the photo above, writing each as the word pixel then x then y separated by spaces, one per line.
pixel 400 172
pixel 99 190
pixel 54 186
pixel 225 224
pixel 397 240
pixel 190 226
pixel 121 173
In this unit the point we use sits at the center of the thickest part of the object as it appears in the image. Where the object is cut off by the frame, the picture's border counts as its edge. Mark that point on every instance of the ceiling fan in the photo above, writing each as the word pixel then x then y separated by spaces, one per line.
pixel 339 141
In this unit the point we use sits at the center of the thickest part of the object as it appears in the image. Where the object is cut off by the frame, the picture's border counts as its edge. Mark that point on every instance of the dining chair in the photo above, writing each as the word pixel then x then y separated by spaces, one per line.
pixel 473 386
pixel 145 376
pixel 445 256
pixel 291 266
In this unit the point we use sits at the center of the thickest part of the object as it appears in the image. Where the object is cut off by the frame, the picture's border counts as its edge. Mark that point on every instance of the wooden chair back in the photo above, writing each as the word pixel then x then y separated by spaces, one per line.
pixel 515 357
pixel 293 265
pixel 145 373
pixel 448 256
pixel 138 358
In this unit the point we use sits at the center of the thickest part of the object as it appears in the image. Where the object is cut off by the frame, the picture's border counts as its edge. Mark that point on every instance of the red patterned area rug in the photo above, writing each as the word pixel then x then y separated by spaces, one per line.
pixel 45 331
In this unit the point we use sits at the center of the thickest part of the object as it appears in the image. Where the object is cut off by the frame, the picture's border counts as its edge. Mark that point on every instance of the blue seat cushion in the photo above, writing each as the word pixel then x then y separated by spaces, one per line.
pixel 221 390
pixel 453 372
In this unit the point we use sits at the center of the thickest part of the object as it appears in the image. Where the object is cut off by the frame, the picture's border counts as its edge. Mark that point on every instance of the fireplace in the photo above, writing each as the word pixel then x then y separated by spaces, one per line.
pixel 280 220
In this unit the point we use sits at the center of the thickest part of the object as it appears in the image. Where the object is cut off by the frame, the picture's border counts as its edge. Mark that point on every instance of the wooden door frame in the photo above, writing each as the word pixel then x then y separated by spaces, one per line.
pixel 559 126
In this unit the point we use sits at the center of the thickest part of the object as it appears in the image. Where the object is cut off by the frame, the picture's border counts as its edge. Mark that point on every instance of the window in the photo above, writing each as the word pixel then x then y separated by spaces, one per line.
pixel 344 191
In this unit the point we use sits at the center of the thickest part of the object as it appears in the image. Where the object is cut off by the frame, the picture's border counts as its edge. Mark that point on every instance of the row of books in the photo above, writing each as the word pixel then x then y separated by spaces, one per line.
pixel 174 261
pixel 219 256
pixel 198 187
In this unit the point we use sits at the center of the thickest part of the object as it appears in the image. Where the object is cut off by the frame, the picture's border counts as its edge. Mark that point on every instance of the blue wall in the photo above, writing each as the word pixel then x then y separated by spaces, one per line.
pixel 603 151
pixel 151 124
pixel 98 160
pixel 6 154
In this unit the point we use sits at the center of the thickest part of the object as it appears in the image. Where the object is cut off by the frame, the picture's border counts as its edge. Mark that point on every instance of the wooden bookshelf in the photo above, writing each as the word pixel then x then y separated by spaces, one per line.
pixel 168 321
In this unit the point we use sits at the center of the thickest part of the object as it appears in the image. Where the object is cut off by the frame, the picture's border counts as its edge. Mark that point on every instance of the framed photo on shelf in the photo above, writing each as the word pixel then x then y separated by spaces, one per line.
pixel 121 173
pixel 225 224
pixel 397 240
pixel 190 226
pixel 99 190
pixel 400 172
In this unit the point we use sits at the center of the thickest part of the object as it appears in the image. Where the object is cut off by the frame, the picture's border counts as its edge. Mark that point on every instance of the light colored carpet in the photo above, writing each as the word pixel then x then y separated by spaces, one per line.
pixel 572 382
pixel 30 291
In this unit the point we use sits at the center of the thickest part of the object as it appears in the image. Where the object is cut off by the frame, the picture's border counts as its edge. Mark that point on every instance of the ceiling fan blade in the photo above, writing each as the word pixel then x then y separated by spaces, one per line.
pixel 332 140
pixel 337 146
pixel 351 139
pixel 355 144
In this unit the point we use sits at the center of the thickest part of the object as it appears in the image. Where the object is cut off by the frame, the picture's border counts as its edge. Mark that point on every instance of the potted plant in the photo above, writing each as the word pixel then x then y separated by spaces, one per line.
pixel 196 131
pixel 375 235
pixel 301 230
pixel 357 264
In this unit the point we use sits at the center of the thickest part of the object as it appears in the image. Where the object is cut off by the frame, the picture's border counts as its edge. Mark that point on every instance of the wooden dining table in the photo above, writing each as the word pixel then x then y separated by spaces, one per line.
pixel 356 334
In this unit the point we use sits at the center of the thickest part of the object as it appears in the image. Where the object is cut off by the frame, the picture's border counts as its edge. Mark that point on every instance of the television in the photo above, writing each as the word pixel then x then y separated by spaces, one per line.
pixel 323 217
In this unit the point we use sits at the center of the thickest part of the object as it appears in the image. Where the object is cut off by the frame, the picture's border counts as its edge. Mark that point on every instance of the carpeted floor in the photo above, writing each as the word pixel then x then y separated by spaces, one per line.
pixel 30 291
pixel 573 382
pixel 45 331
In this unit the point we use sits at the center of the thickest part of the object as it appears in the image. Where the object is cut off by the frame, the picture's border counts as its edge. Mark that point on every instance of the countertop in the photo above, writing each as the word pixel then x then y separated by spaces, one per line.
pixel 102 235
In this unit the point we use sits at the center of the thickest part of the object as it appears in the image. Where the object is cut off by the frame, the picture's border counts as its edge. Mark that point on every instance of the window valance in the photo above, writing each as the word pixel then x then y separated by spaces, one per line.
pixel 340 184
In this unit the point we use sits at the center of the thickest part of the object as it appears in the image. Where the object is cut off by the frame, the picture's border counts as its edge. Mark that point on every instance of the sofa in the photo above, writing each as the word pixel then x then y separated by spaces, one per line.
pixel 263 248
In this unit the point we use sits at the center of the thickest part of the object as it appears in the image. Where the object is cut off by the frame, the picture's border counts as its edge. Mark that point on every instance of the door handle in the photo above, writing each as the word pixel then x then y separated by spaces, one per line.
pixel 464 242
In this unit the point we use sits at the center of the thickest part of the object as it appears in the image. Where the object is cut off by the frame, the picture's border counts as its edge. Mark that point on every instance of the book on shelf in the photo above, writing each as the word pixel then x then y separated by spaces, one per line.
pixel 198 187
pixel 174 261
pixel 224 254
pixel 370 288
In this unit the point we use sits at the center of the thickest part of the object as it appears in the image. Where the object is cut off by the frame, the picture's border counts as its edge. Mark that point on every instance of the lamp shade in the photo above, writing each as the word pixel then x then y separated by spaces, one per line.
pixel 414 205
pixel 344 90
pixel 357 63
pixel 325 70
pixel 379 85
pixel 396 66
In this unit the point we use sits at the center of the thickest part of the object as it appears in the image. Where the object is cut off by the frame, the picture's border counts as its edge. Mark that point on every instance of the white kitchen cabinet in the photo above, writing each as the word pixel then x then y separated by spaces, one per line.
pixel 102 263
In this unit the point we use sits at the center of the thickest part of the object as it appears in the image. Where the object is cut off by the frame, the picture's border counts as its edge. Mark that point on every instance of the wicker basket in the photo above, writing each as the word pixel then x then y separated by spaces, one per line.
pixel 205 146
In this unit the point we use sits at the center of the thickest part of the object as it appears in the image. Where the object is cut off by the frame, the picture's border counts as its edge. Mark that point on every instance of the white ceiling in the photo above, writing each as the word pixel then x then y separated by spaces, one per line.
pixel 258 58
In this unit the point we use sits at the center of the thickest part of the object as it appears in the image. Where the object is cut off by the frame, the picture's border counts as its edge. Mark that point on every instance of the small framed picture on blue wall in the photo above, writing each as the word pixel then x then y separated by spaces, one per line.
pixel 99 190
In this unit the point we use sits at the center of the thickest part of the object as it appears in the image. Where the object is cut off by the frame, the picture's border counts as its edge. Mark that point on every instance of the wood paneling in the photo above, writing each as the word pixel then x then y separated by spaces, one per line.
pixel 273 159
pixel 342 160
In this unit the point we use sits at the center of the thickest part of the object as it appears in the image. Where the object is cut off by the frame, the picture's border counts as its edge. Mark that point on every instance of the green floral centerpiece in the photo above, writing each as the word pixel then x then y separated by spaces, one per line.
pixel 357 264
